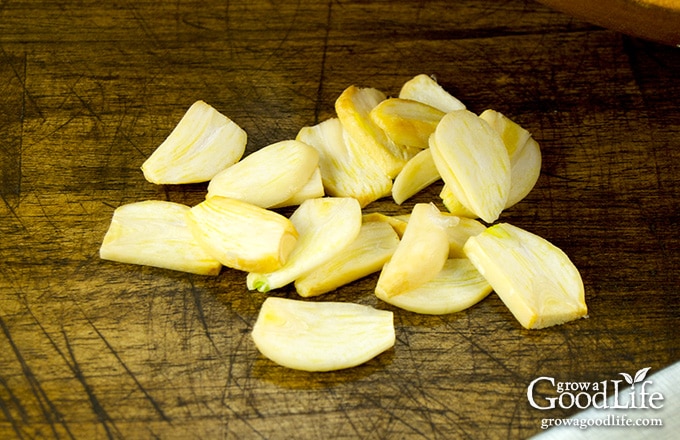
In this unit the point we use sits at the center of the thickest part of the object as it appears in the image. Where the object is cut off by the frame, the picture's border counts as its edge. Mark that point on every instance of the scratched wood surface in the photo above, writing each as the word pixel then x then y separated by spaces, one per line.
pixel 91 349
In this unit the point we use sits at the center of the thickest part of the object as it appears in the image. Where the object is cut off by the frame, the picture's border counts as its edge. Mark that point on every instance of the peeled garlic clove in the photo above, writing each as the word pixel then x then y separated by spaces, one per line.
pixel 367 254
pixel 473 162
pixel 535 279
pixel 203 143
pixel 325 226
pixel 353 108
pixel 155 233
pixel 418 173
pixel 459 233
pixel 524 151
pixel 453 205
pixel 321 336
pixel 313 189
pixel 425 89
pixel 398 222
pixel 408 123
pixel 268 176
pixel 241 235
pixel 456 287
pixel 421 253
pixel 346 171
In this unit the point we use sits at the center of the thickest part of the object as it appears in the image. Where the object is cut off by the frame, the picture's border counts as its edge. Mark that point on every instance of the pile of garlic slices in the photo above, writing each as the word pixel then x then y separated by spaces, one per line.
pixel 429 261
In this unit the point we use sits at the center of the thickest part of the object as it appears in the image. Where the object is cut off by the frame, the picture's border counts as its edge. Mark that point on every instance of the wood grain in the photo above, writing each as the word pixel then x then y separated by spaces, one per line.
pixel 94 349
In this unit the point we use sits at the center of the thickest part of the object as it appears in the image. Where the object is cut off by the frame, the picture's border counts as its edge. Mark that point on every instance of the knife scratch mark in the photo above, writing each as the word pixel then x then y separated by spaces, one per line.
pixel 132 375
pixel 99 411
pixel 322 70
pixel 16 403
pixel 201 315
pixel 47 407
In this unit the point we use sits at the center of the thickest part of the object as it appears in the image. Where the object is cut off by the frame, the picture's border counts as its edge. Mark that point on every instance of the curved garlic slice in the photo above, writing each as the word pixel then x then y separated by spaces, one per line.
pixel 456 287
pixel 473 162
pixel 535 279
pixel 321 336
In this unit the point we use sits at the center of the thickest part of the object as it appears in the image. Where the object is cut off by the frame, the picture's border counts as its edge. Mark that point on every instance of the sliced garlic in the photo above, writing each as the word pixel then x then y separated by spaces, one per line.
pixel 425 89
pixel 421 253
pixel 346 171
pixel 406 122
pixel 155 233
pixel 203 143
pixel 367 254
pixel 325 226
pixel 268 176
pixel 398 222
pixel 473 162
pixel 459 233
pixel 353 108
pixel 241 235
pixel 456 287
pixel 321 336
pixel 524 151
pixel 418 173
pixel 313 189
pixel 535 279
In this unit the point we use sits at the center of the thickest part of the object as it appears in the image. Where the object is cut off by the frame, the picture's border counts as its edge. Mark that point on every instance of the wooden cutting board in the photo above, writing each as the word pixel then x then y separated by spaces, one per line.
pixel 95 349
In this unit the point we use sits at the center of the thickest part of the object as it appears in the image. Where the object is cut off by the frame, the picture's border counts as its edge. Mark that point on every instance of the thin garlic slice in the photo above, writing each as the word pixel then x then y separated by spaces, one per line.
pixel 473 162
pixel 367 254
pixel 321 336
pixel 406 122
pixel 535 279
pixel 268 176
pixel 353 108
pixel 524 151
pixel 398 222
pixel 313 189
pixel 346 171
pixel 418 173
pixel 459 233
pixel 421 253
pixel 325 226
pixel 155 233
pixel 456 287
pixel 241 235
pixel 425 89
pixel 203 143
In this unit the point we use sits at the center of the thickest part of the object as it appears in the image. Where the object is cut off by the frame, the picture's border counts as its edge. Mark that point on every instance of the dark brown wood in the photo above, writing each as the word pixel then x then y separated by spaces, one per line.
pixel 95 349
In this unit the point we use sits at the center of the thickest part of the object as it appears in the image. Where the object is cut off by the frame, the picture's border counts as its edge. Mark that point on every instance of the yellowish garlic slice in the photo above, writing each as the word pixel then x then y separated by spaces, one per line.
pixel 453 205
pixel 459 233
pixel 313 189
pixel 535 279
pixel 353 108
pixel 525 163
pixel 203 143
pixel 406 122
pixel 421 253
pixel 418 173
pixel 425 89
pixel 473 162
pixel 346 171
pixel 367 254
pixel 241 235
pixel 398 222
pixel 325 226
pixel 268 176
pixel 155 233
pixel 321 336
pixel 524 151
pixel 456 287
